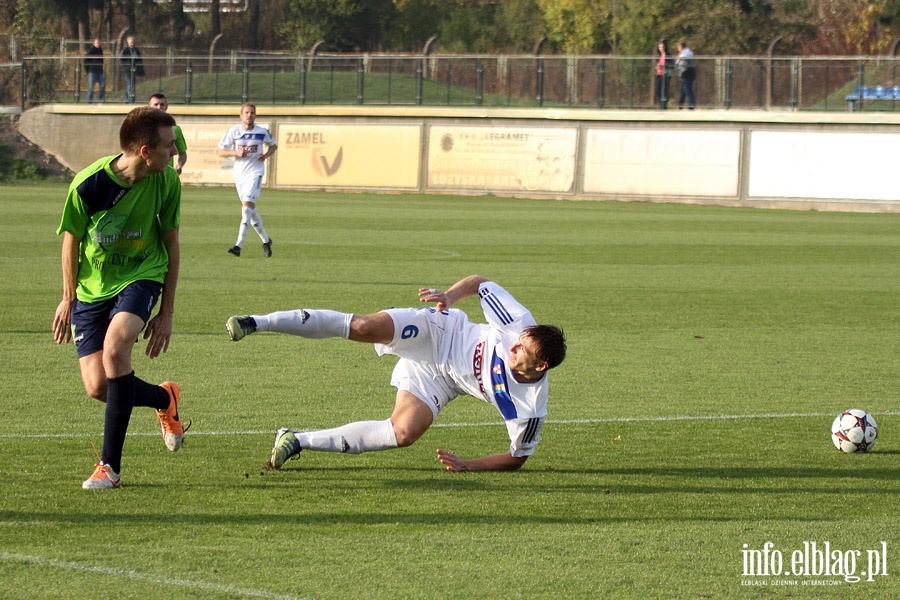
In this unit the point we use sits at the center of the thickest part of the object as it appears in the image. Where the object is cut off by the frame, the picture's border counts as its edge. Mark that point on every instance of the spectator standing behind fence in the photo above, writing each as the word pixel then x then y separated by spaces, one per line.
pixel 686 70
pixel 93 66
pixel 132 67
pixel 663 73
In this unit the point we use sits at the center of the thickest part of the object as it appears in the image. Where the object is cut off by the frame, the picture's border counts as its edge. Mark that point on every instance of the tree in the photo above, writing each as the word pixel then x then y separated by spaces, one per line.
pixel 253 24
pixel 577 26
pixel 416 21
pixel 215 15
pixel 346 25
pixel 854 26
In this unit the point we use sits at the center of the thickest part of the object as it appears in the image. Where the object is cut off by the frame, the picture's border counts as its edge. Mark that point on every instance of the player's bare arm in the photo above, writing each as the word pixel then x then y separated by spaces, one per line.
pixel 494 462
pixel 159 328
pixel 459 290
pixel 269 152
pixel 182 159
pixel 62 320
pixel 226 152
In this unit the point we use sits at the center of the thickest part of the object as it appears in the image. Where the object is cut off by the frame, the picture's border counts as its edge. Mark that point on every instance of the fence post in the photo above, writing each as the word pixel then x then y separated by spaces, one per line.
pixel 188 82
pixel 795 83
pixel 601 83
pixel 360 80
pixel 479 82
pixel 24 87
pixel 729 81
pixel 302 81
pixel 540 82
pixel 770 66
pixel 212 51
pixel 860 81
pixel 77 90
pixel 245 84
pixel 419 68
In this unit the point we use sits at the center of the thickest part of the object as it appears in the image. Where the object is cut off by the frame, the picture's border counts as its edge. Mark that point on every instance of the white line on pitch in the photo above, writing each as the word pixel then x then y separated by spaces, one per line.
pixel 130 574
pixel 549 422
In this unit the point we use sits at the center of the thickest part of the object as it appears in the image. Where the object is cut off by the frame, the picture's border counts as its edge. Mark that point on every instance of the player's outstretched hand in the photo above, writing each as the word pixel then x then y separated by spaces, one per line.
pixel 434 295
pixel 453 462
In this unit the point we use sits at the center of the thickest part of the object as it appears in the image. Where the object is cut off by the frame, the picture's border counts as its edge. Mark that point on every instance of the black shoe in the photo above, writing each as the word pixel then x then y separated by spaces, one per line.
pixel 236 250
pixel 267 249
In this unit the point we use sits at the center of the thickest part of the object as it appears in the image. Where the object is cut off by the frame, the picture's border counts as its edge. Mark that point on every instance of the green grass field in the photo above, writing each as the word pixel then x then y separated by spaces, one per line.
pixel 709 349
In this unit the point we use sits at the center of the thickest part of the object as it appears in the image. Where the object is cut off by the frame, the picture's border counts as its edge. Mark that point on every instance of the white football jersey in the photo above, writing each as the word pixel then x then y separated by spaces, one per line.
pixel 479 367
pixel 251 142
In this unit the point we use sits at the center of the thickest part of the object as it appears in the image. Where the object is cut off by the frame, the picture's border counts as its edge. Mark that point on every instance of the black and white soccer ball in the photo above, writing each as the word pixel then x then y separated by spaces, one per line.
pixel 854 430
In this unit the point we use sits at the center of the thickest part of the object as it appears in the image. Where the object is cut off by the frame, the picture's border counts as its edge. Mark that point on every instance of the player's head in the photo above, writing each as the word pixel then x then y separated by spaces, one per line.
pixel 549 344
pixel 142 128
pixel 159 101
pixel 248 115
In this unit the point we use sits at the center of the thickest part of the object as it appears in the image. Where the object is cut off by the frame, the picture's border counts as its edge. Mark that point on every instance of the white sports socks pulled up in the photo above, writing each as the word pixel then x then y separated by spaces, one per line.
pixel 307 323
pixel 353 438
pixel 250 218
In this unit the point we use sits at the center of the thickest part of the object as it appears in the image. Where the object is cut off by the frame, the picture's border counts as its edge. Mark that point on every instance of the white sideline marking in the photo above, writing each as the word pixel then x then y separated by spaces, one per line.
pixel 129 574
pixel 491 424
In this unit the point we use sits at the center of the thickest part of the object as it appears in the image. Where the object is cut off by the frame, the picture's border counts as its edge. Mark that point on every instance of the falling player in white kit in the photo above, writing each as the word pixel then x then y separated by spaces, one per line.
pixel 245 143
pixel 442 355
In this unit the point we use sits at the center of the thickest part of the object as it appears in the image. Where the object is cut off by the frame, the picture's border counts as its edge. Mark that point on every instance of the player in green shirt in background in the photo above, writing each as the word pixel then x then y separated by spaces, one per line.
pixel 159 101
pixel 120 255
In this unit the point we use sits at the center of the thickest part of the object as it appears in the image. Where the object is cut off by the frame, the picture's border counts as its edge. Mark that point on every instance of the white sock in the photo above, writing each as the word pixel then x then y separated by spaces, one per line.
pixel 257 223
pixel 353 438
pixel 306 322
pixel 245 226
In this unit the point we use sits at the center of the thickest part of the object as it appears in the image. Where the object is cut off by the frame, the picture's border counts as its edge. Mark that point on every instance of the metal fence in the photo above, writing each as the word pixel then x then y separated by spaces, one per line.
pixel 608 82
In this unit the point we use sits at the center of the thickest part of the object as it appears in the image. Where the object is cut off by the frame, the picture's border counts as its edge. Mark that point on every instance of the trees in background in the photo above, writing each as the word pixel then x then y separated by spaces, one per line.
pixel 622 27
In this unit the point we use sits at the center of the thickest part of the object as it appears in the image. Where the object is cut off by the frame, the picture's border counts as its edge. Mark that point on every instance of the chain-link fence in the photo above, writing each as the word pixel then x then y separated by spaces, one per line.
pixel 793 83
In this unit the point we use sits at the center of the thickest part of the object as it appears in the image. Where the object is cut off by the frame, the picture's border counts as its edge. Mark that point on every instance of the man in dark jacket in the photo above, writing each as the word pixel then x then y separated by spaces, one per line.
pixel 93 66
pixel 132 67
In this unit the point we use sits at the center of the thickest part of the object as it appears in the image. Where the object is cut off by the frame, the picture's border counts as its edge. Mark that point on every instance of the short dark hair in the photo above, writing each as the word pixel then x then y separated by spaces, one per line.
pixel 551 343
pixel 141 128
pixel 158 95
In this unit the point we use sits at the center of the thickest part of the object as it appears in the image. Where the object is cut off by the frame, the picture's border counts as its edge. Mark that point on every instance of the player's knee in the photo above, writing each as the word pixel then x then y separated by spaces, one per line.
pixel 405 437
pixel 377 328
pixel 407 432
pixel 96 390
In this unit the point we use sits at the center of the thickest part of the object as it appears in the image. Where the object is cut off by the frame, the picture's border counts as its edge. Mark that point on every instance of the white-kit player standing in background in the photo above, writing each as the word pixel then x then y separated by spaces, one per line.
pixel 245 143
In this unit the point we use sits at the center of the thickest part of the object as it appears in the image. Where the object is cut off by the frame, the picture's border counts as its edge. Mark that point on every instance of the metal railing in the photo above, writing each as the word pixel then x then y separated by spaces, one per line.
pixel 608 82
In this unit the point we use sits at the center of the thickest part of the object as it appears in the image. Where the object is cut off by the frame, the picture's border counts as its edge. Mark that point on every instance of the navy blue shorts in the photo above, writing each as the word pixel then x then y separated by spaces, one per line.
pixel 90 320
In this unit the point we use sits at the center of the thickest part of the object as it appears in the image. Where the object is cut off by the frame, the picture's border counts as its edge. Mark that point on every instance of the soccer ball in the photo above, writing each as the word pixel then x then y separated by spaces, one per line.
pixel 854 430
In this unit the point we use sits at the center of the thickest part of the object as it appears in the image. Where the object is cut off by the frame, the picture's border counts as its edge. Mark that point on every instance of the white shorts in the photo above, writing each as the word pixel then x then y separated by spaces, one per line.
pixel 248 189
pixel 422 340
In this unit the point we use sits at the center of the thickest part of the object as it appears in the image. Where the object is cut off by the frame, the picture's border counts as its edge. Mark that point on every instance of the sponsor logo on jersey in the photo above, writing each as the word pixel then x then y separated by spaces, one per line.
pixel 477 362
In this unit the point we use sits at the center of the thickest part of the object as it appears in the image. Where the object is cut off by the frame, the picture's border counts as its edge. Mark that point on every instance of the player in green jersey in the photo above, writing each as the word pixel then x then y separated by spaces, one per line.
pixel 159 101
pixel 120 255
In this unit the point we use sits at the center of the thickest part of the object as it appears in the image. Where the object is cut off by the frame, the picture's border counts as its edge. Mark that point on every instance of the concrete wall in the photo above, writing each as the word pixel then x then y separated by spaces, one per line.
pixel 824 161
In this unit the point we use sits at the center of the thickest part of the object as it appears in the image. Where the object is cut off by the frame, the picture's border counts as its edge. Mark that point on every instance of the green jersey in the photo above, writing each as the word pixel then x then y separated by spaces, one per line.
pixel 180 143
pixel 119 226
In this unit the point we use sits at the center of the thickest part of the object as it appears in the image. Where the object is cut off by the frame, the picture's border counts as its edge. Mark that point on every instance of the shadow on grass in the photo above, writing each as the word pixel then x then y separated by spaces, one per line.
pixel 368 517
